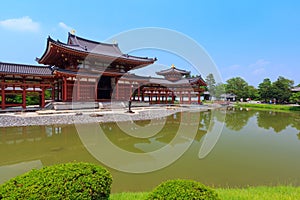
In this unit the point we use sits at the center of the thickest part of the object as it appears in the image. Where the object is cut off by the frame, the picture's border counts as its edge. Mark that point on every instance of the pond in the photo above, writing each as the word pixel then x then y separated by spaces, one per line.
pixel 253 148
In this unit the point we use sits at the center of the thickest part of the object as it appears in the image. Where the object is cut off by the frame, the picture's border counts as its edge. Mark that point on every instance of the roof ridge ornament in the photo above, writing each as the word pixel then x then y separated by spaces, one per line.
pixel 73 31
pixel 173 66
pixel 115 42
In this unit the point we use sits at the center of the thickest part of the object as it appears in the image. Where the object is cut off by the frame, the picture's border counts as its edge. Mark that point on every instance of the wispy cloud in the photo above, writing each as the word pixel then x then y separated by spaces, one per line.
pixel 65 27
pixel 24 24
pixel 258 68
pixel 259 71
pixel 260 63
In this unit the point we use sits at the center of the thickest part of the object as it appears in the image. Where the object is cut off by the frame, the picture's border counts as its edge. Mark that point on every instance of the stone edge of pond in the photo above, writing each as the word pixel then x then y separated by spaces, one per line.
pixel 17 119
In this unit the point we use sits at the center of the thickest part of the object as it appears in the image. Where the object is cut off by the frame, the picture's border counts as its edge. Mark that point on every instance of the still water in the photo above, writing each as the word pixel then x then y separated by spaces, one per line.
pixel 253 148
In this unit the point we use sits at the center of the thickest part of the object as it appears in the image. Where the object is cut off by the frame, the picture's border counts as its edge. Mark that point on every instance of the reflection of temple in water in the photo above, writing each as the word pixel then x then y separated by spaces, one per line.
pixel 61 142
pixel 170 128
pixel 37 146
pixel 50 144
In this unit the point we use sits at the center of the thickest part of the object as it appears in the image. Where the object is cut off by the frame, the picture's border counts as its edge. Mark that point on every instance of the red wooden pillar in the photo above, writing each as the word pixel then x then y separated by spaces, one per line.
pixel 23 94
pixel 158 96
pixel 78 89
pixel 199 101
pixel 96 88
pixel 43 98
pixel 117 88
pixel 166 100
pixel 130 90
pixel 173 97
pixel 150 97
pixel 139 92
pixel 24 97
pixel 190 100
pixel 3 93
pixel 180 97
pixel 143 93
pixel 53 92
pixel 64 89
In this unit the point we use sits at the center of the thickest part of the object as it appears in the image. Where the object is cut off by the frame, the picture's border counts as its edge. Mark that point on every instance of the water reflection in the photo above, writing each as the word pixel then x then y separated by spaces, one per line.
pixel 278 121
pixel 47 144
pixel 243 156
pixel 236 119
pixel 170 126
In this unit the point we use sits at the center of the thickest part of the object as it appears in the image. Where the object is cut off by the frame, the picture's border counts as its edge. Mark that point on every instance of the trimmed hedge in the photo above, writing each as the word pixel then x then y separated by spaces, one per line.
pixel 182 189
pixel 63 181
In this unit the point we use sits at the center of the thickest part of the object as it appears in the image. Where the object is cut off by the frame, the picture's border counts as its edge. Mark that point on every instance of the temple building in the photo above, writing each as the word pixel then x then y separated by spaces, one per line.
pixel 82 70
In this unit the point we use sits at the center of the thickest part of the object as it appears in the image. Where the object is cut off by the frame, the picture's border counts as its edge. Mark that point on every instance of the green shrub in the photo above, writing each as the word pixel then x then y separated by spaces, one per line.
pixel 63 181
pixel 183 189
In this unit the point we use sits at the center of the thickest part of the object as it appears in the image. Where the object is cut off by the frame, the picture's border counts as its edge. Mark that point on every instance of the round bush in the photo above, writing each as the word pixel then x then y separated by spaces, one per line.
pixel 63 181
pixel 183 189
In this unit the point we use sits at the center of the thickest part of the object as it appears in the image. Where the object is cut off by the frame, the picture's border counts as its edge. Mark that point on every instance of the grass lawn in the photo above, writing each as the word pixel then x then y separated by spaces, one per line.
pixel 250 193
pixel 269 106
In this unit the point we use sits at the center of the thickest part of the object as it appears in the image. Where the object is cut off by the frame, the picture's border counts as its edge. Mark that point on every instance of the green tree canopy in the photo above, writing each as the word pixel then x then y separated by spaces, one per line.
pixel 252 92
pixel 295 97
pixel 237 86
pixel 211 84
pixel 282 89
pixel 219 90
pixel 265 89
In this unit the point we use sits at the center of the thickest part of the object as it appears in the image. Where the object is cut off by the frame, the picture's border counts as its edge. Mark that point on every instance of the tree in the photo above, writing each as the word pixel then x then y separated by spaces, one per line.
pixel 282 89
pixel 219 90
pixel 295 97
pixel 252 92
pixel 237 86
pixel 211 85
pixel 265 90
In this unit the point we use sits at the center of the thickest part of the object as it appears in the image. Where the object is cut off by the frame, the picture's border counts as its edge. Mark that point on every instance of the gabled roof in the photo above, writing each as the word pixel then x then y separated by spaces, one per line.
pixel 23 69
pixel 173 70
pixel 93 46
pixel 197 80
pixel 80 49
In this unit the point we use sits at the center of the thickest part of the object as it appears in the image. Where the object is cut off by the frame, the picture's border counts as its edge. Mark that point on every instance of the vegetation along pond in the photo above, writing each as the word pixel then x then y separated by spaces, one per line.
pixel 254 148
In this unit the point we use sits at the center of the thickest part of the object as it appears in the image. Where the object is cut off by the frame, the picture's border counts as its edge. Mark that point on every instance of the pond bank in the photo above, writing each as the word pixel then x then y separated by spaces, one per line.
pixel 49 117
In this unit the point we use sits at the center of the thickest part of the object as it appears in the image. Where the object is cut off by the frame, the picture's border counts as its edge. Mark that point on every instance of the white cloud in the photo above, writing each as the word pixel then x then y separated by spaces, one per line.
pixel 24 24
pixel 259 71
pixel 260 63
pixel 65 27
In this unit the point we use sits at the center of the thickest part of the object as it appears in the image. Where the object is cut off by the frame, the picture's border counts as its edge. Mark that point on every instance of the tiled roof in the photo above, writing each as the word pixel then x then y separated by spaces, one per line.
pixel 166 82
pixel 197 79
pixel 173 70
pixel 13 68
pixel 296 89
pixel 135 77
pixel 81 45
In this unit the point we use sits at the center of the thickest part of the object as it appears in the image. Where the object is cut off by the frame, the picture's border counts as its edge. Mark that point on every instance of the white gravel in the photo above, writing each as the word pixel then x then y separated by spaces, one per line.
pixel 83 116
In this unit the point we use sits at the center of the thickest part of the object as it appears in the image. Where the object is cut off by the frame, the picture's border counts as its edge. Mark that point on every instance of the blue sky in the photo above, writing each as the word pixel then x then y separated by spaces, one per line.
pixel 250 39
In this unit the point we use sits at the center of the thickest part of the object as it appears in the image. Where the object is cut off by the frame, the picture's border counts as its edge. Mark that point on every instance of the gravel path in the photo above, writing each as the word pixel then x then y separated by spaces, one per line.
pixel 31 119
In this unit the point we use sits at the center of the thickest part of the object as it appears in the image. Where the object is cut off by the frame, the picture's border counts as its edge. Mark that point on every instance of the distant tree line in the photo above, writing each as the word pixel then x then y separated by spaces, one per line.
pixel 278 91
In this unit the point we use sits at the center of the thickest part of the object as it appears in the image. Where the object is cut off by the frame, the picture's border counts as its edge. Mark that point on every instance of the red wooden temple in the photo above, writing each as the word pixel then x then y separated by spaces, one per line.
pixel 83 70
